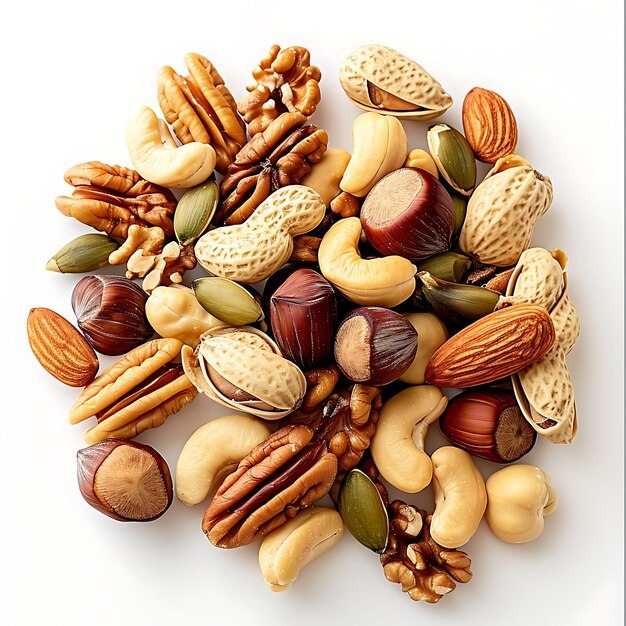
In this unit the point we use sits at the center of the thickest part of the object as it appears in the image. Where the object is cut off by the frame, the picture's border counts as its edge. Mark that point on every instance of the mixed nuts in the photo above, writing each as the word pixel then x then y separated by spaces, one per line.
pixel 388 274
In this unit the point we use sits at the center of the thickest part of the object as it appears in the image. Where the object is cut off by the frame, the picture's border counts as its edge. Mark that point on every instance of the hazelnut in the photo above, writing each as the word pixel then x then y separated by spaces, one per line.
pixel 375 346
pixel 128 481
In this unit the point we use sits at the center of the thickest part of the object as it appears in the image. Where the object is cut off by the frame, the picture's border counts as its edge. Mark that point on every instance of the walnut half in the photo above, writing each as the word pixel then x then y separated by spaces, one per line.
pixel 426 570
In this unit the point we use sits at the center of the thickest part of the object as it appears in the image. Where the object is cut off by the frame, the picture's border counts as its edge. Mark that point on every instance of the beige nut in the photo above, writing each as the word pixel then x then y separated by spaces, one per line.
pixel 175 312
pixel 422 159
pixel 398 444
pixel 252 251
pixel 460 497
pixel 288 549
pixel 519 497
pixel 431 334
pixel 212 452
pixel 379 147
pixel 385 281
pixel 503 210
pixel 158 159
pixel 327 173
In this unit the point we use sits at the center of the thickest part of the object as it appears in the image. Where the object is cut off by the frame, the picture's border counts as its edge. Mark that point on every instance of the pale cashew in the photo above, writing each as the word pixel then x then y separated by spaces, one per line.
pixel 175 312
pixel 158 159
pixel 431 335
pixel 212 452
pixel 398 444
pixel 518 498
pixel 286 550
pixel 326 174
pixel 385 281
pixel 460 497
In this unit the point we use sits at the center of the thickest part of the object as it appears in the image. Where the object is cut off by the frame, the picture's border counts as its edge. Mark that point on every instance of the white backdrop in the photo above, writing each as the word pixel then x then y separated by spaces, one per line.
pixel 72 74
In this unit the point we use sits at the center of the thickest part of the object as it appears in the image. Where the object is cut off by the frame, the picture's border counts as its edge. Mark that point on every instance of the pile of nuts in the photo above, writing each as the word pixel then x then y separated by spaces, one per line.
pixel 388 274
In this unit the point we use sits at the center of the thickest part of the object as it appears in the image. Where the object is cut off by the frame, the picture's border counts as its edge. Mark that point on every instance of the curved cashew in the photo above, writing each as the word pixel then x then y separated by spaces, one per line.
pixel 175 312
pixel 460 497
pixel 286 550
pixel 212 452
pixel 380 146
pixel 385 281
pixel 158 159
pixel 398 444
pixel 518 498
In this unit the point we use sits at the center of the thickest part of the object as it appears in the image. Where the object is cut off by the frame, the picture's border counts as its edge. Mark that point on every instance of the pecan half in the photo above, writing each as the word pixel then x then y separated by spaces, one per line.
pixel 279 156
pixel 138 392
pixel 199 107
pixel 426 570
pixel 286 81
pixel 345 420
pixel 284 474
pixel 110 198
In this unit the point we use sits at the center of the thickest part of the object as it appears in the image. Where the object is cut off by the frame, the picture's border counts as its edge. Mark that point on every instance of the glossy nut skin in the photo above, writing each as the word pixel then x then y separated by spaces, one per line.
pixel 460 497
pixel 519 497
pixel 287 550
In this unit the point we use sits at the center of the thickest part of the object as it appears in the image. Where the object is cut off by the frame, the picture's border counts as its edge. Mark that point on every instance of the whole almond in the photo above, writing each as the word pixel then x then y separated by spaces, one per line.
pixel 496 346
pixel 60 348
pixel 489 125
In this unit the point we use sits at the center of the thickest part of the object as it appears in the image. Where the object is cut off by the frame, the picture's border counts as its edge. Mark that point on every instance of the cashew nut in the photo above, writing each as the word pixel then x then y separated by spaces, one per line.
pixel 460 497
pixel 158 159
pixel 385 281
pixel 432 334
pixel 175 312
pixel 398 444
pixel 286 550
pixel 326 174
pixel 518 498
pixel 212 452
pixel 380 146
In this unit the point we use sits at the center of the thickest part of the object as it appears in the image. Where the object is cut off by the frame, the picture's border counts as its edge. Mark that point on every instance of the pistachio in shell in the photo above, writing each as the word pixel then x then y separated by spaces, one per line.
pixel 378 78
pixel 363 511
pixel 227 300
pixel 454 157
pixel 195 210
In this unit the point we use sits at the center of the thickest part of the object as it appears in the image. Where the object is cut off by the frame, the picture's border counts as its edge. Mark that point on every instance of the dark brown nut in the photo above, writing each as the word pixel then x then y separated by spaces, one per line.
pixel 138 392
pixel 199 107
pixel 279 156
pixel 110 198
pixel 346 421
pixel 488 424
pixel 286 81
pixel 128 481
pixel 375 345
pixel 303 312
pixel 426 570
pixel 408 212
pixel 111 312
pixel 500 281
pixel 284 474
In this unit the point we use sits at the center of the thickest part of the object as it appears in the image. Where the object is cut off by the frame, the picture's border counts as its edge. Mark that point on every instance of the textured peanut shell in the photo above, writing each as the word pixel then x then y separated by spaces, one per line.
pixel 502 212
pixel 495 346
pixel 252 251
pixel 395 73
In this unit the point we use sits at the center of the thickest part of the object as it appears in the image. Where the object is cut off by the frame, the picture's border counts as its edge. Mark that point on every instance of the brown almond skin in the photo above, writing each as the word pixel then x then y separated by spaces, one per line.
pixel 489 124
pixel 60 348
pixel 494 347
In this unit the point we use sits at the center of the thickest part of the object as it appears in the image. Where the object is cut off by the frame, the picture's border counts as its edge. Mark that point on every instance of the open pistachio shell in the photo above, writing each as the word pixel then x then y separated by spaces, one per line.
pixel 378 78
pixel 453 156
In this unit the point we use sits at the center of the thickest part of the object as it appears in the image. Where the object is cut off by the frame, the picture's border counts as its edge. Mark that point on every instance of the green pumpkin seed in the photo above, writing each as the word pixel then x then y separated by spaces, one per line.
pixel 84 254
pixel 227 300
pixel 195 211
pixel 363 511
pixel 448 266
pixel 454 157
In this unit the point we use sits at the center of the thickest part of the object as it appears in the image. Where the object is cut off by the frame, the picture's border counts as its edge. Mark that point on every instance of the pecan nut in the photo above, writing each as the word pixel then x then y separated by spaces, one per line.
pixel 199 107
pixel 138 392
pixel 286 81
pixel 426 570
pixel 279 156
pixel 284 474
pixel 111 198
